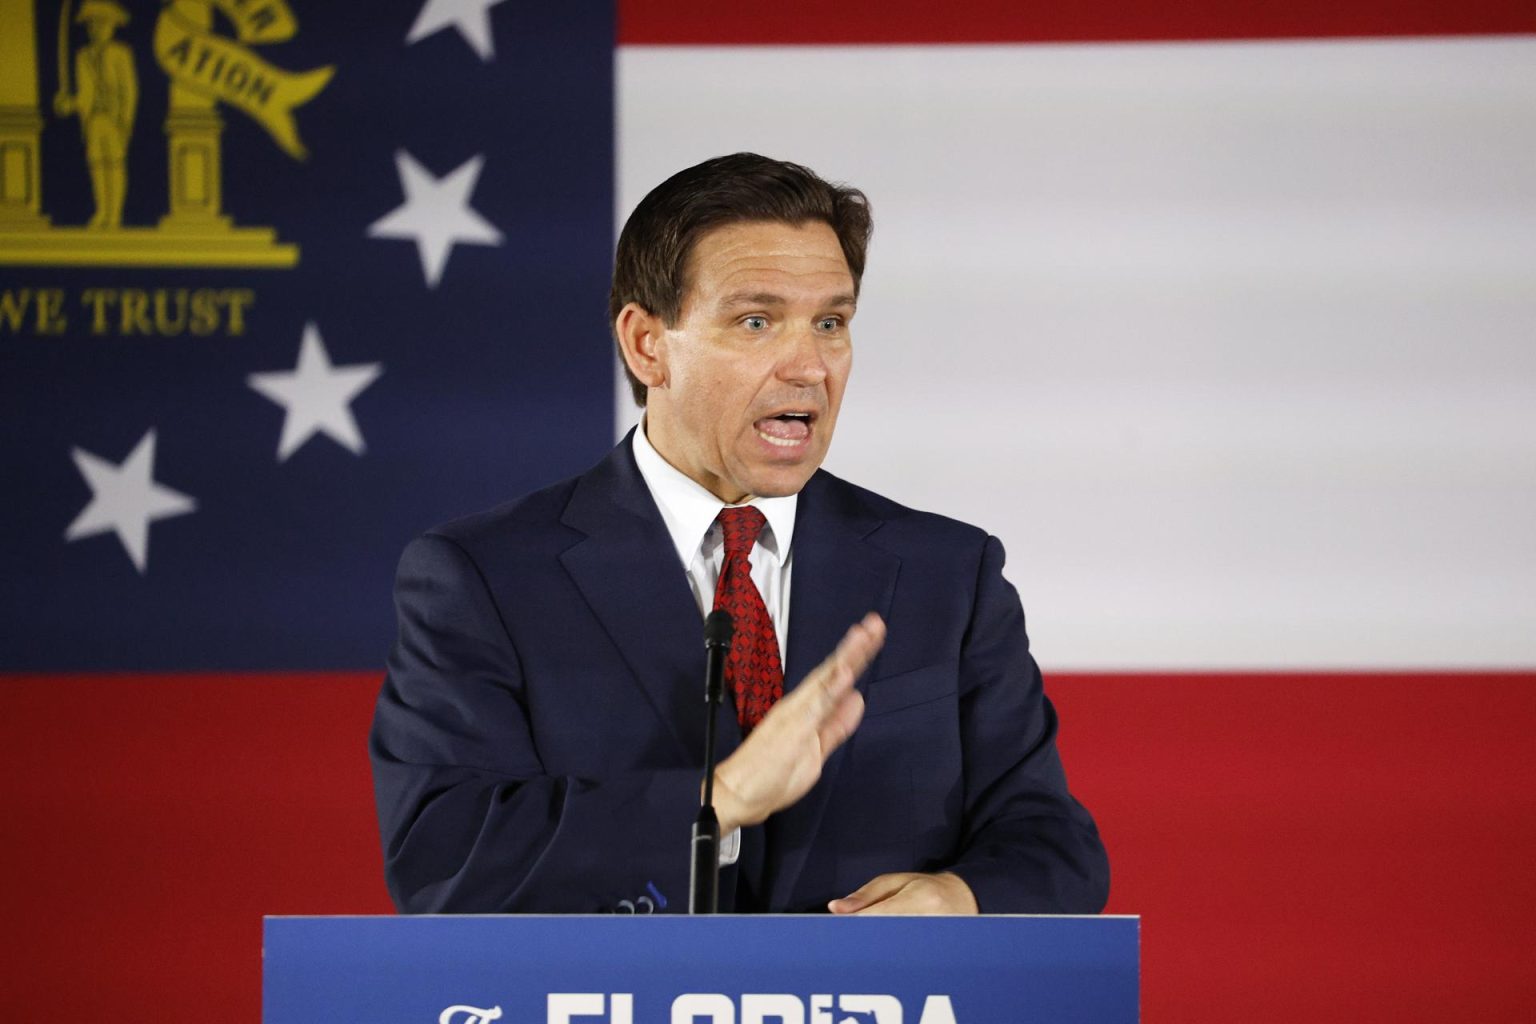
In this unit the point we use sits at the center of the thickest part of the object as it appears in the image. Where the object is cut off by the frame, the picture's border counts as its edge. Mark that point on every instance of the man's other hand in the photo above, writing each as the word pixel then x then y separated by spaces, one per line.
pixel 908 892
pixel 782 758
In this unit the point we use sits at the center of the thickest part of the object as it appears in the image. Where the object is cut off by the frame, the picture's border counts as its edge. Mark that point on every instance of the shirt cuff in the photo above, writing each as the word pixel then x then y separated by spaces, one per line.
pixel 730 847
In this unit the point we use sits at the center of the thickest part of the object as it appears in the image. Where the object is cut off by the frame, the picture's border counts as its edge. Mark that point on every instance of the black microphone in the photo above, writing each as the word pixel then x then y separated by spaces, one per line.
pixel 704 878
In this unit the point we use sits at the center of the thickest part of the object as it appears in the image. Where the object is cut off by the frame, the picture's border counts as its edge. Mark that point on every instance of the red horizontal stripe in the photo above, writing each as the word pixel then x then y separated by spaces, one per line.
pixel 1302 847
pixel 1008 21
pixel 1306 847
pixel 150 822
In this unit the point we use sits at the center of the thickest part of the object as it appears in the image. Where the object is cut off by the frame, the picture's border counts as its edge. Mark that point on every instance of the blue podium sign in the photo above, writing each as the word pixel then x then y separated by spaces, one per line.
pixel 701 970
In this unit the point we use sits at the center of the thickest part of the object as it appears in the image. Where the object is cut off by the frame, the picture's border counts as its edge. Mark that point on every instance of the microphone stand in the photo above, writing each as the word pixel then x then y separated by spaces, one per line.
pixel 704 877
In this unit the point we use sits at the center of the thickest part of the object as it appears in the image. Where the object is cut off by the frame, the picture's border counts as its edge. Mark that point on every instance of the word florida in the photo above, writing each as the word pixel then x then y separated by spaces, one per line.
pixel 719 1008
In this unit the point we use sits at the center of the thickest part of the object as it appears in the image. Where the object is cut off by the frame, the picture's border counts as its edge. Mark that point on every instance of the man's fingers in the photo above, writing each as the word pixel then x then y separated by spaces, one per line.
pixel 861 643
pixel 838 725
pixel 838 706
pixel 874 891
pixel 836 675
pixel 910 893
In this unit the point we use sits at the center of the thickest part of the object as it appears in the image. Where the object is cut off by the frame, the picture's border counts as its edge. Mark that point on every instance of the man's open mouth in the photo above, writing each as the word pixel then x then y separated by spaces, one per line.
pixel 786 430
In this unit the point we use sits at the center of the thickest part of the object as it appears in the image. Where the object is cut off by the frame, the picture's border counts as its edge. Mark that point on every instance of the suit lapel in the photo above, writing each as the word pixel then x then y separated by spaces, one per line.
pixel 839 576
pixel 626 568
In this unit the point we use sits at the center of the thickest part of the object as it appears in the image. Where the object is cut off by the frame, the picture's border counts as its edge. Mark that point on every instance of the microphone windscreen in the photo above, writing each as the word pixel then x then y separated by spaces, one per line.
pixel 718 628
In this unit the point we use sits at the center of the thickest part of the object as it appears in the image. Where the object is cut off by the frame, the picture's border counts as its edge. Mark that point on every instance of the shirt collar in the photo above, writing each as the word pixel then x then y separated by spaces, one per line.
pixel 688 509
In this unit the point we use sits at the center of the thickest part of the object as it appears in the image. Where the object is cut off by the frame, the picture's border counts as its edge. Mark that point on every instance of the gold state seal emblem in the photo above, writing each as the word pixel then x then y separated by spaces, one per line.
pixel 98 85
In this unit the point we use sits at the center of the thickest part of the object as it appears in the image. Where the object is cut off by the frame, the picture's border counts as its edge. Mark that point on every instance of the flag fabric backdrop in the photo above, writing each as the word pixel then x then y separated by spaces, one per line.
pixel 1219 316
pixel 219 464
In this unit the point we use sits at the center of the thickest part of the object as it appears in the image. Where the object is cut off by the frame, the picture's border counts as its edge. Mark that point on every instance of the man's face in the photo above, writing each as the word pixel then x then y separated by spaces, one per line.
pixel 752 375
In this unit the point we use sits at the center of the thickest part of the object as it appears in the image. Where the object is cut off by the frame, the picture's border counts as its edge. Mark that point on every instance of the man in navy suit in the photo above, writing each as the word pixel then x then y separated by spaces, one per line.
pixel 887 747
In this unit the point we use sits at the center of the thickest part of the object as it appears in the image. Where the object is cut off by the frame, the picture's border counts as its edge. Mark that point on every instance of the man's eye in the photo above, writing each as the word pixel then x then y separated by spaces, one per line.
pixel 755 323
pixel 829 323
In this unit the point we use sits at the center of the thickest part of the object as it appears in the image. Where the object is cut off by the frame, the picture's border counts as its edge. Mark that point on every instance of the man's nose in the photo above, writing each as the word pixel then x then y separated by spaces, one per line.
pixel 804 362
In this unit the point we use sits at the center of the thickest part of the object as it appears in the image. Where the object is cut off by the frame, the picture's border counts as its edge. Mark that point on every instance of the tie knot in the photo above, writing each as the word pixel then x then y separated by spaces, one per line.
pixel 741 526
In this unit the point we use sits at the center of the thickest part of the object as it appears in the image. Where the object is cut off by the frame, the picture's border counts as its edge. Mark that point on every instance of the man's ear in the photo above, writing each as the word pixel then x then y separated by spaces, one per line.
pixel 640 340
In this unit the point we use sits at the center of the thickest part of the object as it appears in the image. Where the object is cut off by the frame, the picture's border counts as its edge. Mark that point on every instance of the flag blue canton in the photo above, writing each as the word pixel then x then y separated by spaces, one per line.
pixel 224 415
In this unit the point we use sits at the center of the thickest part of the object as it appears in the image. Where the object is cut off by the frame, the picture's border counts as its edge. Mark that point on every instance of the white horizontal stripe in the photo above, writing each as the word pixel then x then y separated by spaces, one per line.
pixel 1233 344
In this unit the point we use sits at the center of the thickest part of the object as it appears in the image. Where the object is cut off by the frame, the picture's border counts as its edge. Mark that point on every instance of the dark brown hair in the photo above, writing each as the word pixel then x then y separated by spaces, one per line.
pixel 651 265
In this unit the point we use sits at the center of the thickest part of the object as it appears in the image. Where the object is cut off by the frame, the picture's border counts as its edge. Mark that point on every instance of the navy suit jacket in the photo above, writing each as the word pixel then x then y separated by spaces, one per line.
pixel 539 738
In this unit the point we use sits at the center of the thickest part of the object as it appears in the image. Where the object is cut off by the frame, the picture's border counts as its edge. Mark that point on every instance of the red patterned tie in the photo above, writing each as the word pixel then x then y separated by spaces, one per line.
pixel 753 670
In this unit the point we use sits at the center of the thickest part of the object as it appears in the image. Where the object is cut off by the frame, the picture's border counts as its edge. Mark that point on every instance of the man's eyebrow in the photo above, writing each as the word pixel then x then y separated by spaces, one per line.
pixel 752 299
pixel 770 299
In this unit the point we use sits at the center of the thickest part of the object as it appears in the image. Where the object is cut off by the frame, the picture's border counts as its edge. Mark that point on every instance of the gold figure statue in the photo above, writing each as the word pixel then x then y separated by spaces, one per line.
pixel 105 98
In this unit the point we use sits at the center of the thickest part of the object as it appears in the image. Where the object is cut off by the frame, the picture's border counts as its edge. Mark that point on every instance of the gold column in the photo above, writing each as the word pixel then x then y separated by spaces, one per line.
pixel 193 129
pixel 21 125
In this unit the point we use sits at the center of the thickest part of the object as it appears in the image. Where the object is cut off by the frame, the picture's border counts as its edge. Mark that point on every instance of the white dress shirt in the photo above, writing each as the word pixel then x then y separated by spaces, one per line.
pixel 689 512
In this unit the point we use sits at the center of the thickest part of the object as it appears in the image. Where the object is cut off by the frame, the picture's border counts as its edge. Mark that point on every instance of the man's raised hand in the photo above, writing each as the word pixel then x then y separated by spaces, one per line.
pixel 782 758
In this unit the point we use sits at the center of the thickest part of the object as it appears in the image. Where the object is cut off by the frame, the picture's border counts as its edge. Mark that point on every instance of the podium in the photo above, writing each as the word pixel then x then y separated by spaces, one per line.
pixel 700 970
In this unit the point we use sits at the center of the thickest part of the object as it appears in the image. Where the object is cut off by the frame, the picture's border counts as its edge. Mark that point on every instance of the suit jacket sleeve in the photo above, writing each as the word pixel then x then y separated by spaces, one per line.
pixel 471 821
pixel 1028 846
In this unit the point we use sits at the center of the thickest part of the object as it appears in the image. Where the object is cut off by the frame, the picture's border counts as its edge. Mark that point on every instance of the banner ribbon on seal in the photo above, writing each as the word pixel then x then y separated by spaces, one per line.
pixel 227 70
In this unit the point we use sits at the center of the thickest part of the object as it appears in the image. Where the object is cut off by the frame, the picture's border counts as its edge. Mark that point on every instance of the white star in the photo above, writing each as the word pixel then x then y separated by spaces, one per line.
pixel 436 213
pixel 468 16
pixel 125 499
pixel 317 396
